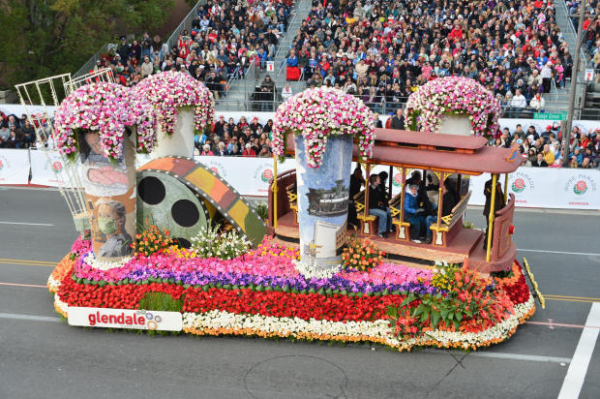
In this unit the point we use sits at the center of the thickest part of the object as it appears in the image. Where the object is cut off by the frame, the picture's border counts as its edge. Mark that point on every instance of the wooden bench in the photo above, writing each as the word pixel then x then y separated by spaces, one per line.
pixel 368 224
pixel 402 227
pixel 450 225
pixel 293 199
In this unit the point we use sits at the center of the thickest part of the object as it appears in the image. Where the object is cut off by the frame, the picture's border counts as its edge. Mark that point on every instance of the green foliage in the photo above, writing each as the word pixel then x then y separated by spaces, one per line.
pixel 469 225
pixel 263 210
pixel 44 38
pixel 160 301
pixel 467 303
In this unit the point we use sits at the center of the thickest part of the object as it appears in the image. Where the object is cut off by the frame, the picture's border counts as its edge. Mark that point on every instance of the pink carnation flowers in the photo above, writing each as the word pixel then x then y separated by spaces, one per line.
pixel 170 90
pixel 104 108
pixel 318 113
pixel 453 96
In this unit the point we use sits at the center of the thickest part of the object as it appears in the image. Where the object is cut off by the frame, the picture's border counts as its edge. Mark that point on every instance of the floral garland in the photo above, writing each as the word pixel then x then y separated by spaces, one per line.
pixel 453 96
pixel 105 108
pixel 318 113
pixel 171 90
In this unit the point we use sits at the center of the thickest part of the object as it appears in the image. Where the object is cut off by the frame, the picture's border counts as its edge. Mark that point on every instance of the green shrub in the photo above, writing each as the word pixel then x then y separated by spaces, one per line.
pixel 263 211
pixel 161 301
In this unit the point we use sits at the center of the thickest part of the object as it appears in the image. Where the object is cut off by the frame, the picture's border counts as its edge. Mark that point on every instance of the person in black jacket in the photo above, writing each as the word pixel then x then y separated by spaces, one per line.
pixel 539 162
pixel 356 182
pixel 398 121
pixel 499 204
pixel 378 206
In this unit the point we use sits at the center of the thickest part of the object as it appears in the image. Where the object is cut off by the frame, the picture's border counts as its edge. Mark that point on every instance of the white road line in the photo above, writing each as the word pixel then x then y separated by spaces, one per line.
pixel 13 316
pixel 518 356
pixel 29 224
pixel 507 356
pixel 575 377
pixel 558 252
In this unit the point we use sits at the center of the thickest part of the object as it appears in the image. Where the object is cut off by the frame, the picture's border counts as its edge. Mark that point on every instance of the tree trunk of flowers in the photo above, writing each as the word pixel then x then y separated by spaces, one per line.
pixel 181 142
pixel 323 201
pixel 110 198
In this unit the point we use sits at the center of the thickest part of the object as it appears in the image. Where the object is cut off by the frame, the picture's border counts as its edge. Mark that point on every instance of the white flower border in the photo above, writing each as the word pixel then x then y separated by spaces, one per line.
pixel 91 260
pixel 309 271
pixel 53 284
pixel 375 331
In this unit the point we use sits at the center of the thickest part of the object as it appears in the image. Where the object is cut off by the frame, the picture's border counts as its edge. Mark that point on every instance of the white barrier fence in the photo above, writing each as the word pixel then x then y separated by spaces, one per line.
pixel 539 124
pixel 532 187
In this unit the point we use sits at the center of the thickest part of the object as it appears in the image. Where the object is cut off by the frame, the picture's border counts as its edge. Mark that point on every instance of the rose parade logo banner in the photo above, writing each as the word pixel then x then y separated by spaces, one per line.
pixel 125 318
pixel 267 174
pixel 48 169
pixel 580 190
pixel 522 184
pixel 14 167
pixel 262 174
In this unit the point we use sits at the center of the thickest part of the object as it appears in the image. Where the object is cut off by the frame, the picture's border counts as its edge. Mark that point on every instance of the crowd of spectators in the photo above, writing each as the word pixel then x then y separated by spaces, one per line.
pixel 382 50
pixel 228 138
pixel 16 132
pixel 543 149
pixel 224 40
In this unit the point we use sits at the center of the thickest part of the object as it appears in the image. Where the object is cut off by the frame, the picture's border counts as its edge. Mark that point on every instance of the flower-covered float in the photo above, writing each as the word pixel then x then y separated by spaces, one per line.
pixel 221 283
pixel 442 102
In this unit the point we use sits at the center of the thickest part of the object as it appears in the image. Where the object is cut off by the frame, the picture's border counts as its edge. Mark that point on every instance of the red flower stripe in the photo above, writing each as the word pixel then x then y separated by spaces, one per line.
pixel 516 286
pixel 281 304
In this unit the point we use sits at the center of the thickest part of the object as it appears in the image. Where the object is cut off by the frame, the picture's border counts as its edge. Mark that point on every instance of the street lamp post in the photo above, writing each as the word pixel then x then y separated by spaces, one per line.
pixel 569 124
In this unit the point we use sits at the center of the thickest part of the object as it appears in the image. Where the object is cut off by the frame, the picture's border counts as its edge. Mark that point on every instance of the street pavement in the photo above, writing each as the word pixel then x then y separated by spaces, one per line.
pixel 41 356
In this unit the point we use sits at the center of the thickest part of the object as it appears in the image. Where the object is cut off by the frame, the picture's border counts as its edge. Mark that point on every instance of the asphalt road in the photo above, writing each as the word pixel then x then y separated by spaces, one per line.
pixel 41 356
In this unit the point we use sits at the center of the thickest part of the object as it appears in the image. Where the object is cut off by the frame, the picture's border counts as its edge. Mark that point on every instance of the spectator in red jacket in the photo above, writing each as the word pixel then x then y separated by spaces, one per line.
pixel 249 152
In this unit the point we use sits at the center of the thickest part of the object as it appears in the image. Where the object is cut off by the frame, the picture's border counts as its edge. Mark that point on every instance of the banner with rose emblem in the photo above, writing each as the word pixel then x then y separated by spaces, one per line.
pixel 14 167
pixel 547 188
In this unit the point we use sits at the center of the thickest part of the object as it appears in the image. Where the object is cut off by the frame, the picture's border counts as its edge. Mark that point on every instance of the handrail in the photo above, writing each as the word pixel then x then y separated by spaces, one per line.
pixel 89 65
pixel 172 40
pixel 553 104
pixel 571 27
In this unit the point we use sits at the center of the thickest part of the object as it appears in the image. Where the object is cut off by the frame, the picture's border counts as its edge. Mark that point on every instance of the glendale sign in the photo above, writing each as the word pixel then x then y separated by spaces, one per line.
pixel 125 318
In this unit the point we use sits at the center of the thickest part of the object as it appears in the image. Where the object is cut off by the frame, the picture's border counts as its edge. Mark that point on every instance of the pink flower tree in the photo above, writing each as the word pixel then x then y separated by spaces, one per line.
pixel 324 122
pixel 184 106
pixel 318 114
pixel 439 105
pixel 104 124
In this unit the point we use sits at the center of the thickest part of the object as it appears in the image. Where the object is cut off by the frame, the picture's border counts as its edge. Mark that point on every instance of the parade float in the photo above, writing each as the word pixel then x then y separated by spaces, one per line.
pixel 202 261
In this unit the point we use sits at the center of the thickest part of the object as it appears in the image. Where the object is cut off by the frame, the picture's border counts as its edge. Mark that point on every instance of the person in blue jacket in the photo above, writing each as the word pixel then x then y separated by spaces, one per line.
pixel 413 214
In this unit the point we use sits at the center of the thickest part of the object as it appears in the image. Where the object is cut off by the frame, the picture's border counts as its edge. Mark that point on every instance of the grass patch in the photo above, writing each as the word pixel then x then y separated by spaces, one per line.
pixel 161 301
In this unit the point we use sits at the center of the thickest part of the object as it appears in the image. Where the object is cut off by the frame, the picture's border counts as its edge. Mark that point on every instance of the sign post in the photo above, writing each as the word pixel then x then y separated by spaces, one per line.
pixel 558 116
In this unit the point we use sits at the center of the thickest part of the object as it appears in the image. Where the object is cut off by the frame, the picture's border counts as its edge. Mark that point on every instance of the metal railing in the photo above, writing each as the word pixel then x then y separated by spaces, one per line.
pixel 573 33
pixel 254 104
pixel 91 63
pixel 185 24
